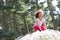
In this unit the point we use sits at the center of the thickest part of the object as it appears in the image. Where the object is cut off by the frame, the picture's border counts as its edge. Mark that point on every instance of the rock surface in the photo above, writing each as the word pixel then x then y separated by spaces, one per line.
pixel 44 35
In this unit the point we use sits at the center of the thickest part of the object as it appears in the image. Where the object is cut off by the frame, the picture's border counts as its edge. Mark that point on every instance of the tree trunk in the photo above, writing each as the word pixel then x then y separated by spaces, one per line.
pixel 37 6
pixel 4 20
pixel 25 25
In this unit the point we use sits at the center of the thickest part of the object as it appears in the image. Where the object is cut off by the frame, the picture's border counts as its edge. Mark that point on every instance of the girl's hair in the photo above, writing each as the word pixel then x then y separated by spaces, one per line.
pixel 37 15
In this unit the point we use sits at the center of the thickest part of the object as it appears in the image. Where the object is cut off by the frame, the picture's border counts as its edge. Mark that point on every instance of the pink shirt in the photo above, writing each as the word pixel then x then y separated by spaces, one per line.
pixel 39 22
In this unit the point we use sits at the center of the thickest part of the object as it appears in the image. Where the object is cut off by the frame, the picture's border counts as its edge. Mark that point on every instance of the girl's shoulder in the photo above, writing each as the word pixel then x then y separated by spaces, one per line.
pixel 37 19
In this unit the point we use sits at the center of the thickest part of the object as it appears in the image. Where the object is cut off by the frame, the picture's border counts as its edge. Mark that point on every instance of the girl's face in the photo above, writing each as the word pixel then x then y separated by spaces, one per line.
pixel 40 15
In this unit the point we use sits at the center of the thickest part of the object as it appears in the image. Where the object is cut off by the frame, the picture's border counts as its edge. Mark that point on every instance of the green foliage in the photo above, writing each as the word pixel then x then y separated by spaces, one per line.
pixel 58 4
pixel 17 19
pixel 7 34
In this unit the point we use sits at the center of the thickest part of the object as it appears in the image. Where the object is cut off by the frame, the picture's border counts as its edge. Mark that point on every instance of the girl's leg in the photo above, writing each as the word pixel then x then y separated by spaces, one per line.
pixel 43 28
pixel 35 28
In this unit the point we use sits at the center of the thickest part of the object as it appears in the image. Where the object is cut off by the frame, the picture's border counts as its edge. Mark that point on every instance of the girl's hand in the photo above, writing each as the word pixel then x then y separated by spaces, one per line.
pixel 43 24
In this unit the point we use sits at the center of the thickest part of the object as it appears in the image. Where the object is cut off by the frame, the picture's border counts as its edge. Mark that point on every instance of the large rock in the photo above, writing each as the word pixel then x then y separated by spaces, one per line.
pixel 44 35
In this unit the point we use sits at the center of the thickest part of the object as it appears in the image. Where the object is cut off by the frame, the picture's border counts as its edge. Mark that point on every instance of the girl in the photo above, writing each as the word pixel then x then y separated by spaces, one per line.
pixel 39 24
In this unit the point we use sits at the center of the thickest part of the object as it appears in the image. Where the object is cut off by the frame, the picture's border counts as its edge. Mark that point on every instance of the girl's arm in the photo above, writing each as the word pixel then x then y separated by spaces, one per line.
pixel 38 24
pixel 44 24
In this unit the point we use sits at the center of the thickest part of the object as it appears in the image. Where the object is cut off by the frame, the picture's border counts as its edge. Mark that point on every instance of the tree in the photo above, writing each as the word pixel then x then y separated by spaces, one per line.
pixel 51 8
